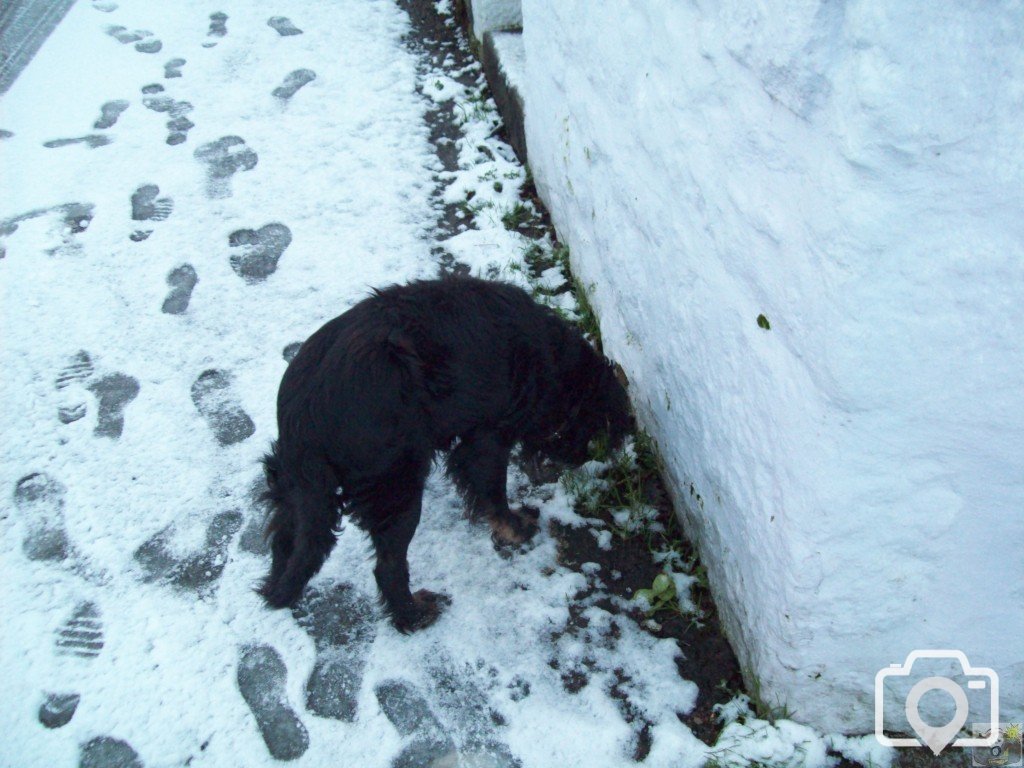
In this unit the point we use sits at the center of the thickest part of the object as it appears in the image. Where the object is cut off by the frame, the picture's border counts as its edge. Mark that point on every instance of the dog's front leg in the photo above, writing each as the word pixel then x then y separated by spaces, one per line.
pixel 391 538
pixel 479 466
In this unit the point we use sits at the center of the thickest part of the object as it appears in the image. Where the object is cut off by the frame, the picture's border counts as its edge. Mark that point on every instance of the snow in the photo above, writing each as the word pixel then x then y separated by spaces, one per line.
pixel 490 15
pixel 508 47
pixel 139 397
pixel 853 473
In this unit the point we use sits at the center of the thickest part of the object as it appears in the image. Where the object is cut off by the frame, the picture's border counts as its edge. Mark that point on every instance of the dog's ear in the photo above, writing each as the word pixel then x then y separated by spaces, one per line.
pixel 620 375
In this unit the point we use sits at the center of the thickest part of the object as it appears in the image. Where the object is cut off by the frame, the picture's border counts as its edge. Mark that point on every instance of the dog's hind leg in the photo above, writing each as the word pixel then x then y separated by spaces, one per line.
pixel 395 513
pixel 479 466
pixel 302 536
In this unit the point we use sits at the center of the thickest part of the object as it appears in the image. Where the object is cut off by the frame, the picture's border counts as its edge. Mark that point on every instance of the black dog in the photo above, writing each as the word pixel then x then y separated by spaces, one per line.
pixel 458 364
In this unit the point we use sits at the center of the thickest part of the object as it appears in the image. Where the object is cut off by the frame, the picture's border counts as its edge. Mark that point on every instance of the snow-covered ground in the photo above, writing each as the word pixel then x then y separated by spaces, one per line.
pixel 186 196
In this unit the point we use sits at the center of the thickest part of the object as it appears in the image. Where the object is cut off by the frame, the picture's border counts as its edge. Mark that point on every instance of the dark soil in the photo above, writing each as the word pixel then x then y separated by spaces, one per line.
pixel 705 656
pixel 435 41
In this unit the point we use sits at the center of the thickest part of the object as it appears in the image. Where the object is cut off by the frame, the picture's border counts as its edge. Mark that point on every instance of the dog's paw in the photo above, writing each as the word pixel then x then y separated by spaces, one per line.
pixel 428 607
pixel 528 514
pixel 278 594
pixel 515 530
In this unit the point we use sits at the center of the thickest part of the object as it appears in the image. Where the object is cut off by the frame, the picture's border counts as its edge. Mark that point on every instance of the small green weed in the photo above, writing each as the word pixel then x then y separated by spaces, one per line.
pixel 536 259
pixel 470 208
pixel 586 320
pixel 477 107
pixel 765 709
pixel 560 253
pixel 620 493
pixel 661 596
pixel 515 216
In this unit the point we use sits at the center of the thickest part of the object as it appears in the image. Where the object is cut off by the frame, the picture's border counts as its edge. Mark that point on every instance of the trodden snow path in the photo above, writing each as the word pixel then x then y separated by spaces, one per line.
pixel 189 190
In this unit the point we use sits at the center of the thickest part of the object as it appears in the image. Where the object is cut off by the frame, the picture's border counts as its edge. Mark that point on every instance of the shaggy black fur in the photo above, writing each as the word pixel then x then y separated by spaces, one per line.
pixel 460 365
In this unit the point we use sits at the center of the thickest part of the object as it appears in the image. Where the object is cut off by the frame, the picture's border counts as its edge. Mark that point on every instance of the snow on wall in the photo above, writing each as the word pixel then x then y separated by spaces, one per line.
pixel 490 15
pixel 508 46
pixel 802 224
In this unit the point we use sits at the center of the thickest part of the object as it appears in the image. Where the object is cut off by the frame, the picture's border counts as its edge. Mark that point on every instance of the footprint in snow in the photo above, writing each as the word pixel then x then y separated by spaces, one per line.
pixel 178 125
pixel 253 539
pixel 5 134
pixel 75 217
pixel 413 718
pixel 173 67
pixel 125 36
pixel 81 635
pixel 258 251
pixel 197 572
pixel 218 28
pixel 39 500
pixel 224 158
pixel 471 717
pixel 261 678
pixel 343 624
pixel 71 219
pixel 143 39
pixel 104 6
pixel 92 141
pixel 292 82
pixel 181 280
pixel 113 393
pixel 109 113
pixel 57 709
pixel 78 371
pixel 214 398
pixel 283 26
pixel 146 206
pixel 108 752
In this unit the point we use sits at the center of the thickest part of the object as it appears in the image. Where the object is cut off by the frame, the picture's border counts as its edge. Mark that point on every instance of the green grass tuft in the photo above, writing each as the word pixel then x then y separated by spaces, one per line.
pixel 586 318
pixel 516 216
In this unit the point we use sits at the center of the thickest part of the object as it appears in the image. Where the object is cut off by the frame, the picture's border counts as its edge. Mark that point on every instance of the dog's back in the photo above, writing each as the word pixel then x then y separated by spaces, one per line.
pixel 422 362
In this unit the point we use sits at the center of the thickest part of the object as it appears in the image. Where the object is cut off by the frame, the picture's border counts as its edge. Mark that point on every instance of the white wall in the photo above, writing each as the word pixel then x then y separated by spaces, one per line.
pixel 854 476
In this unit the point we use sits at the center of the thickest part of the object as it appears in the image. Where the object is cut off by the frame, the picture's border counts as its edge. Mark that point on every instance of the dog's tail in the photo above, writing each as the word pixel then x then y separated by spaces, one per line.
pixel 274 495
pixel 272 471
pixel 300 528
pixel 280 522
